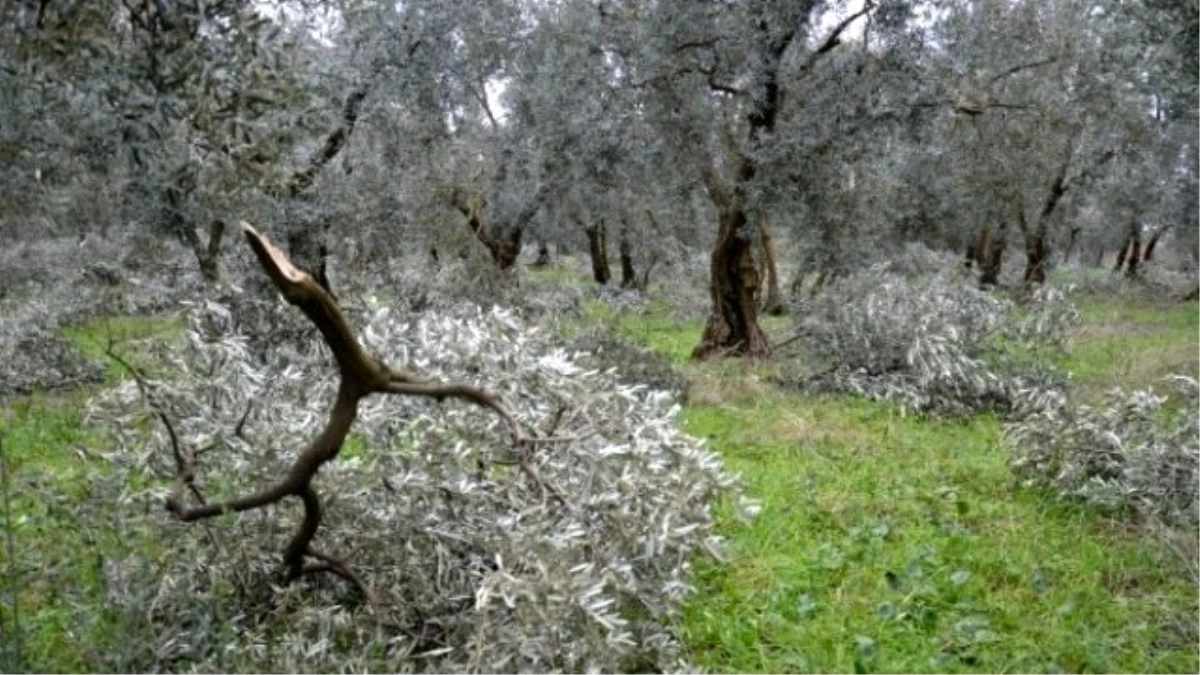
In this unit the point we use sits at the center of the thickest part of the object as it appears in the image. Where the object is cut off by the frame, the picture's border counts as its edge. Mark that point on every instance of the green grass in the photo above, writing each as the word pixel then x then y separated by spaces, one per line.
pixel 892 543
pixel 885 543
pixel 60 549
pixel 1132 345
pixel 93 337
pixel 52 461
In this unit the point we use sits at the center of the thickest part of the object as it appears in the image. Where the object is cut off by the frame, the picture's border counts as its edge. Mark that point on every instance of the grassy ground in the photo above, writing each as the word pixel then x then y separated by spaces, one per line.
pixel 892 543
pixel 54 554
pixel 886 543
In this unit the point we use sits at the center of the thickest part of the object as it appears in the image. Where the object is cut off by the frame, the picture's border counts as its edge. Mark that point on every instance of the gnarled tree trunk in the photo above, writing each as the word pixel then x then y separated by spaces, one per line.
pixel 505 247
pixel 732 326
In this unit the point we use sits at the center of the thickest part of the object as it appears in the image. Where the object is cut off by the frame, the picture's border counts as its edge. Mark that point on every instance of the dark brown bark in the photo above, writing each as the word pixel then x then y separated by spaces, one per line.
pixel 1121 254
pixel 991 253
pixel 732 327
pixel 543 256
pixel 773 304
pixel 1148 255
pixel 1134 259
pixel 598 252
pixel 361 375
pixel 625 252
pixel 1131 251
pixel 1035 260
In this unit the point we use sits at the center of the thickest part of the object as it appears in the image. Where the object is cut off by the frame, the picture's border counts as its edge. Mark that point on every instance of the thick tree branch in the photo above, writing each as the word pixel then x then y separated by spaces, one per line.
pixel 361 375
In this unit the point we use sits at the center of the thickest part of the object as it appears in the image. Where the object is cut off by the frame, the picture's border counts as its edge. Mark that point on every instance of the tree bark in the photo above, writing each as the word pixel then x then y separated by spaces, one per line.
pixel 505 248
pixel 598 251
pixel 991 254
pixel 1035 259
pixel 1133 258
pixel 732 326
pixel 543 257
pixel 1121 255
pixel 774 302
pixel 1148 255
pixel 625 251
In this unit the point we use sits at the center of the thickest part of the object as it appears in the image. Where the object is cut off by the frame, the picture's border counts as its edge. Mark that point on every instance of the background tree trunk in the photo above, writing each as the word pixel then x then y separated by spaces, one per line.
pixel 774 302
pixel 625 251
pixel 1071 239
pixel 543 257
pixel 991 253
pixel 598 251
pixel 1035 259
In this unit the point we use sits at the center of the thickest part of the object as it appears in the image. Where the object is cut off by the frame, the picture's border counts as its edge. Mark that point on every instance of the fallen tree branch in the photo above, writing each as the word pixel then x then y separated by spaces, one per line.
pixel 361 375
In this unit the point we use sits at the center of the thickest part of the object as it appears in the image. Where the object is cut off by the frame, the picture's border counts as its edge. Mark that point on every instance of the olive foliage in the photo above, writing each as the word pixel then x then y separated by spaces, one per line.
pixel 932 342
pixel 1135 451
pixel 474 567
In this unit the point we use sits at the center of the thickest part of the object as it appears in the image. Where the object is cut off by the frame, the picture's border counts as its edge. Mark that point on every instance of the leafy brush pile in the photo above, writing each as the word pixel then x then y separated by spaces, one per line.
pixel 935 344
pixel 473 567
pixel 1131 452
pixel 34 354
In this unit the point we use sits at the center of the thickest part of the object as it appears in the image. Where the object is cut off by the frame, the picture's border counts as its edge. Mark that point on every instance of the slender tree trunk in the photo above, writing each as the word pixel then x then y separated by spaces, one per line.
pixel 1153 243
pixel 1130 256
pixel 1099 257
pixel 598 251
pixel 991 251
pixel 1121 255
pixel 774 302
pixel 625 251
pixel 543 257
pixel 819 283
pixel 1133 259
pixel 1035 259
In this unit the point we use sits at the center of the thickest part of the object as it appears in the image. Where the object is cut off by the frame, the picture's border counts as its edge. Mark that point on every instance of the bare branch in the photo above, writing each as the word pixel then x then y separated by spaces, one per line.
pixel 835 37
pixel 1020 67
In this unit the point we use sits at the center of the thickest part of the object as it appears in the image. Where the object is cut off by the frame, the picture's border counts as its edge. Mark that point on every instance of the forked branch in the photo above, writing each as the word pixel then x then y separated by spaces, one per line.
pixel 361 376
